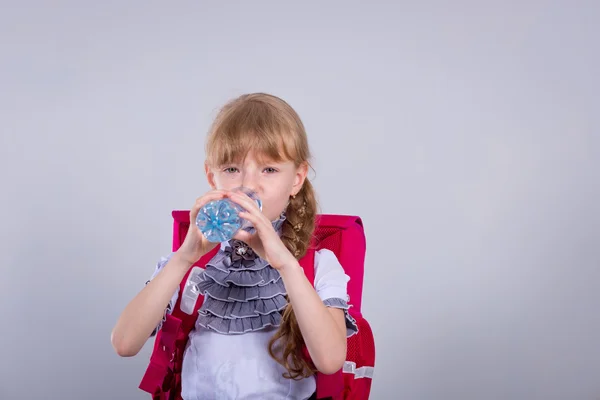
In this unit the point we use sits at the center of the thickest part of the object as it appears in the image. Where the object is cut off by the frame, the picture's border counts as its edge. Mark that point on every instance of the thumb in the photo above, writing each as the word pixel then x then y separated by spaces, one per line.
pixel 194 214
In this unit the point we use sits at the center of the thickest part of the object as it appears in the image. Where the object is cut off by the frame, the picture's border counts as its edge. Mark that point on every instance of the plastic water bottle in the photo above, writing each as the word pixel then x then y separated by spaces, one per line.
pixel 219 220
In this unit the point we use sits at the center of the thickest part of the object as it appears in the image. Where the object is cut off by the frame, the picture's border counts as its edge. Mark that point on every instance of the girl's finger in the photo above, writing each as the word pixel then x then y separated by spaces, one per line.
pixel 244 201
pixel 251 208
pixel 245 237
pixel 259 222
pixel 250 217
pixel 202 201
pixel 213 195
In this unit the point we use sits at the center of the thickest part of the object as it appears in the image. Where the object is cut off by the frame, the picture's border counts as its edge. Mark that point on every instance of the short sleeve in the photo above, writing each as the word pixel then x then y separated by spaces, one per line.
pixel 159 266
pixel 331 284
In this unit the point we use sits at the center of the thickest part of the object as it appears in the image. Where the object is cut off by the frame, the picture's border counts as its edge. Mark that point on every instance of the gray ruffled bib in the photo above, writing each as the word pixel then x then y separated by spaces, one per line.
pixel 242 292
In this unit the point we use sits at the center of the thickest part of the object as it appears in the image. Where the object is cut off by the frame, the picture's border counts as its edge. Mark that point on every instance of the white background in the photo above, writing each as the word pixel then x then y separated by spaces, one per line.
pixel 464 133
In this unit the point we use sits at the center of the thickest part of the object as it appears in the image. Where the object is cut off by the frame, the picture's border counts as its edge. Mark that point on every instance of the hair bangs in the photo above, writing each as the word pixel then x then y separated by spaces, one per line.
pixel 252 127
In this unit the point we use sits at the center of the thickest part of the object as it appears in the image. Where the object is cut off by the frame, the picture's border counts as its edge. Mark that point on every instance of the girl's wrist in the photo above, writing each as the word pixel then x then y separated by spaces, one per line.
pixel 291 269
pixel 183 260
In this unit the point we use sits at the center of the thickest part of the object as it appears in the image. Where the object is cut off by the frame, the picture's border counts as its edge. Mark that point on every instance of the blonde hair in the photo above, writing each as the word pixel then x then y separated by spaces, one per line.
pixel 271 128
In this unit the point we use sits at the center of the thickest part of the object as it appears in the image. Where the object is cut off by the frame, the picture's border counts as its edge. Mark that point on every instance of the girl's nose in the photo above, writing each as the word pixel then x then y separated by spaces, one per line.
pixel 249 181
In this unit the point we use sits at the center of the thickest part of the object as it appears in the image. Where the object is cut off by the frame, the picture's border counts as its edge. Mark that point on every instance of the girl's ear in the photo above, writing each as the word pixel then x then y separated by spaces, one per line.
pixel 300 177
pixel 210 176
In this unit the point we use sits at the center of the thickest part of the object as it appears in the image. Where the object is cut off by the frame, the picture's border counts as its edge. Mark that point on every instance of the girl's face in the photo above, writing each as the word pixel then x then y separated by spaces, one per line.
pixel 274 182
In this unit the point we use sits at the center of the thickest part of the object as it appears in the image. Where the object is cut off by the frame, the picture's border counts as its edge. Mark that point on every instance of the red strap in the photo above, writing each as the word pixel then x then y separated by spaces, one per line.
pixel 327 385
pixel 308 265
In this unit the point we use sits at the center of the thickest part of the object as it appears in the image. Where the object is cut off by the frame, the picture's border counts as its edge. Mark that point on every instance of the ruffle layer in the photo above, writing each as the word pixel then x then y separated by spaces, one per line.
pixel 351 325
pixel 223 262
pixel 229 293
pixel 238 325
pixel 244 277
pixel 252 308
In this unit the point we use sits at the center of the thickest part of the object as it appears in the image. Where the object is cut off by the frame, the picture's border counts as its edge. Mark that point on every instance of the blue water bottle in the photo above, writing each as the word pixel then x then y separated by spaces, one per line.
pixel 219 220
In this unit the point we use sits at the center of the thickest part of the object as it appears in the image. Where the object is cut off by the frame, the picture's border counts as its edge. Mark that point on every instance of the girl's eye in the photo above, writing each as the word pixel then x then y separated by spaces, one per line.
pixel 230 170
pixel 270 170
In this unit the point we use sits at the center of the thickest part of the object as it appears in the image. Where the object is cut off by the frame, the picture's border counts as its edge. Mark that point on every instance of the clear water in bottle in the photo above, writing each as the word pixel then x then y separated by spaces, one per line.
pixel 219 220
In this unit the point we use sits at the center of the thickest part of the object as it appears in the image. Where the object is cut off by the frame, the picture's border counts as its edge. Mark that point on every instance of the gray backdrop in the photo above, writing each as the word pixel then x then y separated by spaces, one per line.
pixel 465 133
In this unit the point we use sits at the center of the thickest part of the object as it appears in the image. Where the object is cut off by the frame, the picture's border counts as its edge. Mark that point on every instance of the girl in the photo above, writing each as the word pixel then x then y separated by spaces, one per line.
pixel 259 308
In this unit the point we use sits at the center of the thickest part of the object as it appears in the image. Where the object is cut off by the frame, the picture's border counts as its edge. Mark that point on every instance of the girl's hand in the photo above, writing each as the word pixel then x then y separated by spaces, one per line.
pixel 195 244
pixel 265 241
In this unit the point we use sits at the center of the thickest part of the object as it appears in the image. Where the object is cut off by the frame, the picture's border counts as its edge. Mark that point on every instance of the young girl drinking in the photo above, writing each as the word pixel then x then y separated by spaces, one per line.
pixel 259 309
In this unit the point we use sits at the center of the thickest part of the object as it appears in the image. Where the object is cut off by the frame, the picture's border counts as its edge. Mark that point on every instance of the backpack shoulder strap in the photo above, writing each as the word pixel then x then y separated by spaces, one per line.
pixel 345 236
pixel 308 265
pixel 328 386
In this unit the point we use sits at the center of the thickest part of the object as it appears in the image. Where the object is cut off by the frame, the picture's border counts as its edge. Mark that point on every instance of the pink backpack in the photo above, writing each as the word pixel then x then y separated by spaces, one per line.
pixel 344 235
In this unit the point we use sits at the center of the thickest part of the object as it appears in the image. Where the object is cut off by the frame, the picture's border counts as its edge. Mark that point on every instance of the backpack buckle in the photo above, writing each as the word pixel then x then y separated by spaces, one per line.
pixel 164 348
pixel 190 293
